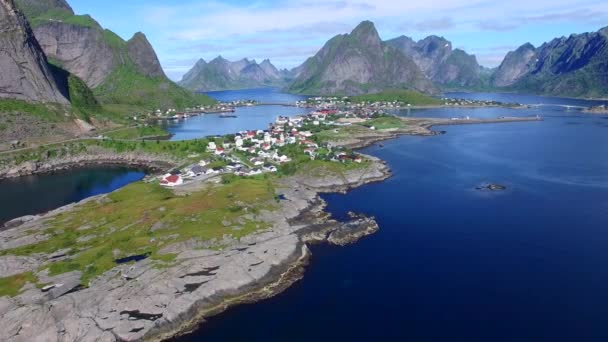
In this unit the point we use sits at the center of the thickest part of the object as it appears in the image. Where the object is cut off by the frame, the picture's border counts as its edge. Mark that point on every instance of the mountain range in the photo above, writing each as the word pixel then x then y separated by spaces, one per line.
pixel 47 46
pixel 574 66
pixel 222 74
pixel 52 55
pixel 358 63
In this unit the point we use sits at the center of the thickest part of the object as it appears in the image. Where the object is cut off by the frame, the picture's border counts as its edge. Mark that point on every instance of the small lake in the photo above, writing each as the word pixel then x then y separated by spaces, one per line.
pixel 451 263
pixel 40 193
pixel 255 117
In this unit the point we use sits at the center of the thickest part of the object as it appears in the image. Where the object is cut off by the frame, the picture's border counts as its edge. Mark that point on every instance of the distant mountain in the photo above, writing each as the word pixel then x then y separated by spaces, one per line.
pixel 118 71
pixel 449 68
pixel 575 66
pixel 24 71
pixel 358 63
pixel 222 74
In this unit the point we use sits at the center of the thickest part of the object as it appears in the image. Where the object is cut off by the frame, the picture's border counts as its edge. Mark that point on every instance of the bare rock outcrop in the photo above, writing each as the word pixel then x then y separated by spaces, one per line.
pixel 143 55
pixel 25 72
pixel 82 50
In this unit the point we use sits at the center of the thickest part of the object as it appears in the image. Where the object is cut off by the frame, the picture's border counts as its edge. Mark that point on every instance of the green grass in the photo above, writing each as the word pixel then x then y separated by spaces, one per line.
pixel 138 132
pixel 120 227
pixel 11 286
pixel 385 122
pixel 126 85
pixel 341 133
pixel 48 112
pixel 411 97
pixel 63 16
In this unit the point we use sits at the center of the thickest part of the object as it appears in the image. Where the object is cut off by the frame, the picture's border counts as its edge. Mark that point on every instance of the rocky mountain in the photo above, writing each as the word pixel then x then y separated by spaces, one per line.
pixel 574 66
pixel 358 63
pixel 118 71
pixel 516 64
pixel 451 68
pixel 25 73
pixel 222 74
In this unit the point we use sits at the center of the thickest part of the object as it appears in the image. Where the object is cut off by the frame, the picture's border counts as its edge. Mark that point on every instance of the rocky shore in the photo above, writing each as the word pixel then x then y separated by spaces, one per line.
pixel 153 162
pixel 141 301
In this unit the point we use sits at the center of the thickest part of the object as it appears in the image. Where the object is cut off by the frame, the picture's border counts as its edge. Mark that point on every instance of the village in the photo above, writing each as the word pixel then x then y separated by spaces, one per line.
pixel 255 152
pixel 348 103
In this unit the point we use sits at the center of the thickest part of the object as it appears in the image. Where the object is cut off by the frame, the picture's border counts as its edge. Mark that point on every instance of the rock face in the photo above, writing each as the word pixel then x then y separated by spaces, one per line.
pixel 439 62
pixel 143 55
pixel 25 72
pixel 516 64
pixel 358 63
pixel 569 66
pixel 118 71
pixel 221 74
pixel 82 50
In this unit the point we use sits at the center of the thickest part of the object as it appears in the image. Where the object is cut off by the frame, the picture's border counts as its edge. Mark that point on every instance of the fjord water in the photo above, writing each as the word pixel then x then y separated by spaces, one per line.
pixel 452 263
pixel 37 194
pixel 255 117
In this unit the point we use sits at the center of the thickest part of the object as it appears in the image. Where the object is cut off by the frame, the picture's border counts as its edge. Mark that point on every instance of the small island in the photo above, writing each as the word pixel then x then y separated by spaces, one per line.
pixel 603 109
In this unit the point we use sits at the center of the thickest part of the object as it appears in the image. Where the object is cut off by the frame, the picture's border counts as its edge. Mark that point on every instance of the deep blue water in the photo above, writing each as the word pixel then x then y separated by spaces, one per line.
pixel 451 263
pixel 37 194
pixel 257 117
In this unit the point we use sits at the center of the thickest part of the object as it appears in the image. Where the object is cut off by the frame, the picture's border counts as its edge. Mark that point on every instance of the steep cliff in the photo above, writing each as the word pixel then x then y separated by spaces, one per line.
pixel 440 63
pixel 25 73
pixel 515 65
pixel 574 66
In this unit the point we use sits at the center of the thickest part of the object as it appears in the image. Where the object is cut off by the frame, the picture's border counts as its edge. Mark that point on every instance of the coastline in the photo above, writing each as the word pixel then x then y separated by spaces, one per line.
pixel 241 273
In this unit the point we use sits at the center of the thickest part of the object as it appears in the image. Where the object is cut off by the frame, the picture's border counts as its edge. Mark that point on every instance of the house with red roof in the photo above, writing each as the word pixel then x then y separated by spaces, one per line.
pixel 171 180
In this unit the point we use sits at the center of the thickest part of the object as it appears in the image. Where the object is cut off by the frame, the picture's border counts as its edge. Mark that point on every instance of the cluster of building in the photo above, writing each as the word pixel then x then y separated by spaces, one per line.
pixel 250 153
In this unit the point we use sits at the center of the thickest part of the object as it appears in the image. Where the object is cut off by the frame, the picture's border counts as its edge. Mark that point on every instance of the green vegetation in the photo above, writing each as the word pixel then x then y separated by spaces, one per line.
pixel 341 133
pixel 126 85
pixel 11 286
pixel 65 17
pixel 49 112
pixel 385 122
pixel 138 133
pixel 100 232
pixel 403 96
pixel 82 98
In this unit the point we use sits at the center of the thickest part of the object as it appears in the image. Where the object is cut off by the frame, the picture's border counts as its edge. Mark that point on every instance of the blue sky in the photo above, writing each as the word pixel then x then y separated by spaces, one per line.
pixel 289 31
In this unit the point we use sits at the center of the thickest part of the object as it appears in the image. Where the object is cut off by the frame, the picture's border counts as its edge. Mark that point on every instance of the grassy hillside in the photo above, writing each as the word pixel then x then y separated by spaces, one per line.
pixel 125 85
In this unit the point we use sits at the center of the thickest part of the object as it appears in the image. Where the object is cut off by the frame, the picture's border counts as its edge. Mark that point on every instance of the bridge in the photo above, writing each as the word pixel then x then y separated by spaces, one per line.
pixel 568 107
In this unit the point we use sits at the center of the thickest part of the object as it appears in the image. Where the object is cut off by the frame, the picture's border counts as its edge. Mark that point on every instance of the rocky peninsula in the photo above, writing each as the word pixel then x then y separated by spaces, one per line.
pixel 210 245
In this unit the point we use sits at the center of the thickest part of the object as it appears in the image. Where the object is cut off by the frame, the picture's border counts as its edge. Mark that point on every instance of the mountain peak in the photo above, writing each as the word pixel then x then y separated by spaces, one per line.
pixel 143 54
pixel 364 29
pixel 218 59
pixel 367 34
pixel 527 46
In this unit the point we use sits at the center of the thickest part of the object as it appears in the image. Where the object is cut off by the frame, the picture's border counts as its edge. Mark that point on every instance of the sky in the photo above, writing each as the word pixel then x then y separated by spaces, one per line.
pixel 289 31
